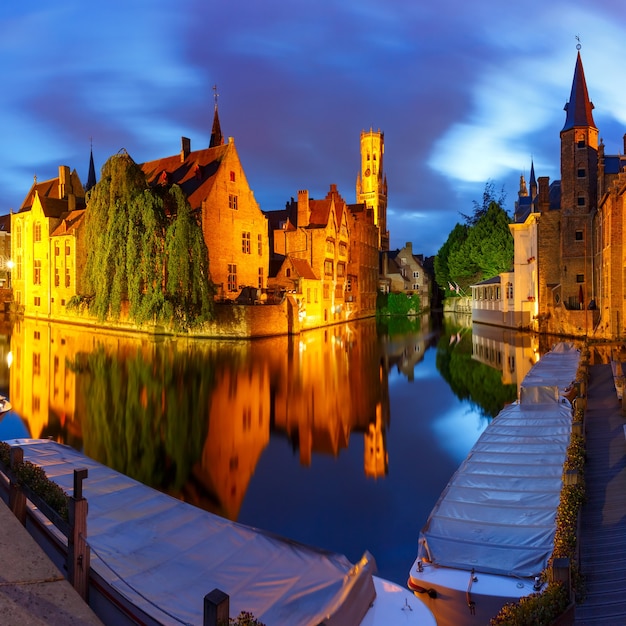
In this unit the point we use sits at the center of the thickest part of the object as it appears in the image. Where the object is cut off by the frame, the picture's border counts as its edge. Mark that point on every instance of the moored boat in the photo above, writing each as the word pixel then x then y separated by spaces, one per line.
pixel 491 533
pixel 155 558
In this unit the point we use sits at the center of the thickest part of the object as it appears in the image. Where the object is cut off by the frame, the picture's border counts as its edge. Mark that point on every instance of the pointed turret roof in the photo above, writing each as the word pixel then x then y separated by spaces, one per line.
pixel 91 176
pixel 579 106
pixel 216 132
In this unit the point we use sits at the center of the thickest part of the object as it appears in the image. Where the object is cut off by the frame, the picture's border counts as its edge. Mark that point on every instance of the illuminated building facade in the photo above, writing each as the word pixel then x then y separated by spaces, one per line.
pixel 404 272
pixel 46 247
pixel 234 227
pixel 371 184
pixel 569 271
pixel 326 257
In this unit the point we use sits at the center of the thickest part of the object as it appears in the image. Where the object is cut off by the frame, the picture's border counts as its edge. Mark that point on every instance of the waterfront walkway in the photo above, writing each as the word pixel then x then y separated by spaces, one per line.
pixel 603 532
pixel 33 592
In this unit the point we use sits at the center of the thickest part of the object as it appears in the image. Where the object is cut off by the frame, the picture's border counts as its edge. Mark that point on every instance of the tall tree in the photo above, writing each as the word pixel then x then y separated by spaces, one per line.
pixel 444 277
pixel 189 288
pixel 490 242
pixel 129 243
pixel 479 249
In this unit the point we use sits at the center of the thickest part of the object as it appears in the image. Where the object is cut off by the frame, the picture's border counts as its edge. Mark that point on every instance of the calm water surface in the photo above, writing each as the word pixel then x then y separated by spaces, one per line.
pixel 342 438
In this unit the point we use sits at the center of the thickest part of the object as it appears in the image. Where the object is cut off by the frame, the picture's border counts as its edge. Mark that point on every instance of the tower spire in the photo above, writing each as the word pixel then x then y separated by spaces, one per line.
pixel 91 176
pixel 579 106
pixel 216 132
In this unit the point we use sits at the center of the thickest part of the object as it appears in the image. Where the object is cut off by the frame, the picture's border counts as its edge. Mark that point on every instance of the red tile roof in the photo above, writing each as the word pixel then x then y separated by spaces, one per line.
pixel 195 175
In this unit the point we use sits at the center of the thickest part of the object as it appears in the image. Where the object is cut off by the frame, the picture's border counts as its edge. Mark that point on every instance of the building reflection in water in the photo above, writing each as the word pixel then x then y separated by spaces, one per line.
pixel 193 418
pixel 292 435
pixel 509 352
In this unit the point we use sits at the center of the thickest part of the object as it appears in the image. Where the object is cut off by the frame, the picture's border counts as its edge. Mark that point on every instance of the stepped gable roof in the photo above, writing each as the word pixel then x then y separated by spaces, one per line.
pixel 320 212
pixel 69 223
pixel 579 106
pixel 320 209
pixel 195 175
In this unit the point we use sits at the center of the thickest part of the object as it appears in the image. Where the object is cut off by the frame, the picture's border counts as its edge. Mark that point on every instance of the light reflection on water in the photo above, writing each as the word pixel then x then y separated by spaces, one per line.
pixel 342 438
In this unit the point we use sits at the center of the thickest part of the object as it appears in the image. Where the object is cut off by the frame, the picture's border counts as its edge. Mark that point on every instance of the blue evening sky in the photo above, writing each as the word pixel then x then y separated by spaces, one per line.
pixel 465 92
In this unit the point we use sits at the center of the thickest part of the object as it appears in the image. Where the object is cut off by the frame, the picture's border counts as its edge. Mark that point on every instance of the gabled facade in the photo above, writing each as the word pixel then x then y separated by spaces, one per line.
pixel 234 227
pixel 326 255
pixel 404 272
pixel 317 232
pixel 46 265
pixel 569 271
pixel 610 256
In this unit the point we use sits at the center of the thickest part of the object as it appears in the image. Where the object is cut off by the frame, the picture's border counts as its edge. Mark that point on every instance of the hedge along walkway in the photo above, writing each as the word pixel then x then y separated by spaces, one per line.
pixel 603 531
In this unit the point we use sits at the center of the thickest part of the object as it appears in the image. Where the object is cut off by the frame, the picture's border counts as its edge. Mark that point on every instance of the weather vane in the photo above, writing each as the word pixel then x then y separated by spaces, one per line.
pixel 578 46
pixel 215 94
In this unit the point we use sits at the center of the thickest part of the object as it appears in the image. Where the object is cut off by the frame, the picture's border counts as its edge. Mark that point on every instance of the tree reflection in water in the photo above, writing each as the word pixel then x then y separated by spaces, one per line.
pixel 327 437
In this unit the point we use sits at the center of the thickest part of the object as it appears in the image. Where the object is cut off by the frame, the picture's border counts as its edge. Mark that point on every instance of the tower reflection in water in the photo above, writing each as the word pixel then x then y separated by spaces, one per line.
pixel 192 417
pixel 342 438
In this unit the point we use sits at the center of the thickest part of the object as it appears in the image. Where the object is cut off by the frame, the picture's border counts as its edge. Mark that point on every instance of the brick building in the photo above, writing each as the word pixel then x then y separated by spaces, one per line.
pixel 325 255
pixel 46 248
pixel 574 283
pixel 234 227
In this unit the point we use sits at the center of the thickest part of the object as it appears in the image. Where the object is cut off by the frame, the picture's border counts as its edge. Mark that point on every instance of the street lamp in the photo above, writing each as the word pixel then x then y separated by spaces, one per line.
pixel 9 269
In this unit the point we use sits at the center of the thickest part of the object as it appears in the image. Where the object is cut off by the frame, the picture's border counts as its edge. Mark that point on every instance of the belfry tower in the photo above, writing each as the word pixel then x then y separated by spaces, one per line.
pixel 371 183
pixel 579 193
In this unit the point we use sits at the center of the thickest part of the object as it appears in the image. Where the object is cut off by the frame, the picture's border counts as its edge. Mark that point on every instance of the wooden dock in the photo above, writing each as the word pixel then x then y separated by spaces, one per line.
pixel 603 532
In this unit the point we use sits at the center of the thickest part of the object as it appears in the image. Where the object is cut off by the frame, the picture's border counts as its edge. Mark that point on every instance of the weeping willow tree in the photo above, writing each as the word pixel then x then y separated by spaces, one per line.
pixel 132 247
pixel 188 287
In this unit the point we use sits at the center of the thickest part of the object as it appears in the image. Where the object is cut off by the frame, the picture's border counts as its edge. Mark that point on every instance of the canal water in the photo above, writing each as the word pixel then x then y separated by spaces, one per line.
pixel 341 438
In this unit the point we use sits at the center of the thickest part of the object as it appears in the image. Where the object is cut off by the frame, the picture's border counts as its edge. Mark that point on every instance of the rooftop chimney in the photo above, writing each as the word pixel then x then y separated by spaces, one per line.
pixel 185 148
pixel 65 182
pixel 543 199
pixel 303 208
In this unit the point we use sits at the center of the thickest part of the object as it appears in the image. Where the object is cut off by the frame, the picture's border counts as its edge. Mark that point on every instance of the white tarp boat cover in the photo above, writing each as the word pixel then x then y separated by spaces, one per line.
pixel 497 513
pixel 164 555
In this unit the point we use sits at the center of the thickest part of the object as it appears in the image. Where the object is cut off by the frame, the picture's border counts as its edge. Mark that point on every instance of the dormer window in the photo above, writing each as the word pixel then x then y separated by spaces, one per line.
pixel 163 178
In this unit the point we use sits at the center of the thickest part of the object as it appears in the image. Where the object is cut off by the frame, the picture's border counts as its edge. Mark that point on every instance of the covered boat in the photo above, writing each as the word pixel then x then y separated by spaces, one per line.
pixel 155 558
pixel 491 532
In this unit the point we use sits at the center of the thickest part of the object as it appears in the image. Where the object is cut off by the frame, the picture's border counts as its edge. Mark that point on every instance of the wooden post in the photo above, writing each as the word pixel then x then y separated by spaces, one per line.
pixel 216 608
pixel 17 499
pixel 560 572
pixel 78 558
pixel 570 477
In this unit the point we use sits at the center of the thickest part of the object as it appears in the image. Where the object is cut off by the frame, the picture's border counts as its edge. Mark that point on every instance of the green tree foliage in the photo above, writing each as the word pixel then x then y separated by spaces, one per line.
pixel 468 378
pixel 393 304
pixel 480 208
pixel 479 249
pixel 188 286
pixel 490 243
pixel 133 247
pixel 450 250
pixel 147 410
